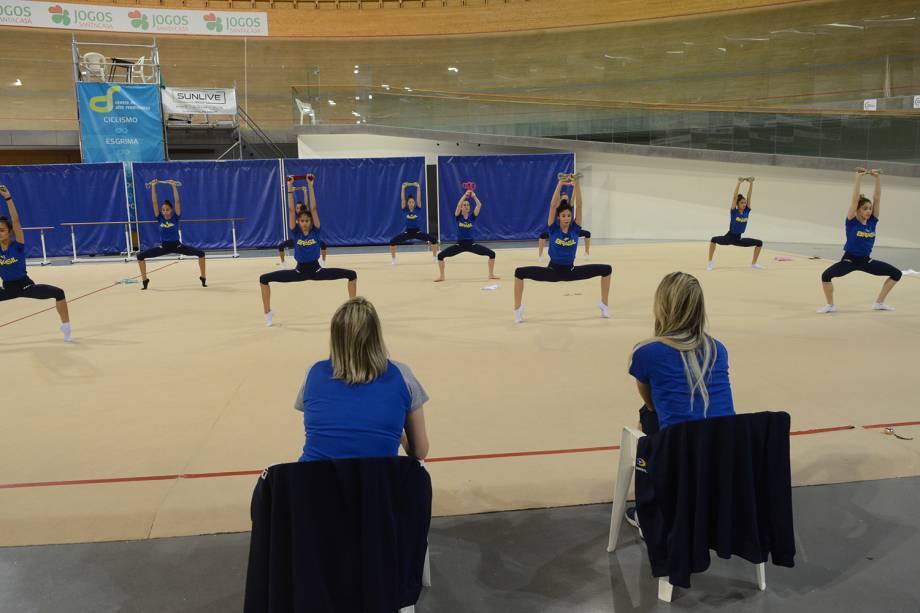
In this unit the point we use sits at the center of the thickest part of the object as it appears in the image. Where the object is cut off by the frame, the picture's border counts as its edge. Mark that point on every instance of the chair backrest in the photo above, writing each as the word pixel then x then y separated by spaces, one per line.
pixel 339 535
pixel 302 106
pixel 95 63
pixel 722 483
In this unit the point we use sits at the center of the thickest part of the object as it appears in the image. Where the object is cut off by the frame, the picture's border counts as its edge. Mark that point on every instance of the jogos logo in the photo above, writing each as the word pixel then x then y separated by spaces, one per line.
pixel 214 23
pixel 8 10
pixel 104 104
pixel 59 15
pixel 139 20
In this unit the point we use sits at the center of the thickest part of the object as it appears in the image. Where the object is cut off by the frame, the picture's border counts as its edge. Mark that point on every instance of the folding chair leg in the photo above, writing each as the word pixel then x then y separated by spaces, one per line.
pixel 628 444
pixel 426 571
pixel 665 589
pixel 762 576
pixel 407 609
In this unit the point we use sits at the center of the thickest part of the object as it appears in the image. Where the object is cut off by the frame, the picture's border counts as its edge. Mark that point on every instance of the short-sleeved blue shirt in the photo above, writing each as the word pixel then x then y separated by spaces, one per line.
pixel 169 229
pixel 356 421
pixel 413 218
pixel 662 368
pixel 13 262
pixel 465 227
pixel 563 245
pixel 306 246
pixel 739 220
pixel 860 236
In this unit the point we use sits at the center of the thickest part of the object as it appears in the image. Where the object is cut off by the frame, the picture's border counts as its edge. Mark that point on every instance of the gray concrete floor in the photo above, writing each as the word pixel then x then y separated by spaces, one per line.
pixel 858 551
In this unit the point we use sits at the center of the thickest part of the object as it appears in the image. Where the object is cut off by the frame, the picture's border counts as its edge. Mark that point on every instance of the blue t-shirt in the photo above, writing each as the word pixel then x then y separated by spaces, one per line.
pixel 412 218
pixel 306 246
pixel 465 227
pixel 13 262
pixel 356 421
pixel 662 368
pixel 739 220
pixel 563 245
pixel 860 236
pixel 169 229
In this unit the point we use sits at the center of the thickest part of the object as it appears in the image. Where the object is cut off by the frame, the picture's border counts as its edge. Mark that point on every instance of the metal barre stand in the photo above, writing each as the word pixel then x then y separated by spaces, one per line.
pixel 42 229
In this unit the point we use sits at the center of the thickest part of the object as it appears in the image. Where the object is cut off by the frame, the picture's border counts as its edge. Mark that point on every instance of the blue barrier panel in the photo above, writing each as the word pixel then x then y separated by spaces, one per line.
pixel 248 189
pixel 358 199
pixel 52 194
pixel 515 191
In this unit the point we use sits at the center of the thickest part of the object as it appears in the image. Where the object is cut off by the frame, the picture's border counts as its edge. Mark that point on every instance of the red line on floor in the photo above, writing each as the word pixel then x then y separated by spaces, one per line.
pixel 821 430
pixel 518 454
pixel 894 425
pixel 95 291
pixel 458 458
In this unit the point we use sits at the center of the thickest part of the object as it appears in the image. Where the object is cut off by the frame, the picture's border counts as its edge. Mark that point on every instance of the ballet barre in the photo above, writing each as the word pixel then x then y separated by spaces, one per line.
pixel 73 236
pixel 232 221
pixel 42 229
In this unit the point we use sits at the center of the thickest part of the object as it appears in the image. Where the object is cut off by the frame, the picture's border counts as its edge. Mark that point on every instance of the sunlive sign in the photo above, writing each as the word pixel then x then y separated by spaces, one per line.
pixel 25 13
pixel 120 123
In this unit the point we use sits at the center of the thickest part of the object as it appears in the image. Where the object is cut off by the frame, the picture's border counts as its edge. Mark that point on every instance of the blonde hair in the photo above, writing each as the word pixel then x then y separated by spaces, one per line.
pixel 356 346
pixel 680 322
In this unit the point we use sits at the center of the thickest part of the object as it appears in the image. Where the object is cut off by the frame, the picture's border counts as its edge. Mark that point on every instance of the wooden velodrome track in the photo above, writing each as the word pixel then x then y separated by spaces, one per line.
pixel 157 419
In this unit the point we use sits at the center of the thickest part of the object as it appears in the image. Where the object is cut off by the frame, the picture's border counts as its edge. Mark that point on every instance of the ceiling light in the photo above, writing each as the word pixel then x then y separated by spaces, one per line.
pixel 356 71
pixel 674 52
pixel 722 49
pixel 356 66
pixel 357 97
pixel 356 114
pixel 844 25
pixel 332 103
pixel 370 96
pixel 357 121
pixel 17 83
pixel 453 69
pixel 385 86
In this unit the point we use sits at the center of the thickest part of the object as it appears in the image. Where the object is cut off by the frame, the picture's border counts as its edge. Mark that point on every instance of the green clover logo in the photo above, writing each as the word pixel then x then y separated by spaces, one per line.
pixel 139 20
pixel 216 25
pixel 61 17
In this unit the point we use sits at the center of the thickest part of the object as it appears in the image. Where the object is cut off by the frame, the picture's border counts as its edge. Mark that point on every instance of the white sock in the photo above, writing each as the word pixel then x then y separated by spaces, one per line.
pixel 519 314
pixel 709 265
pixel 322 263
pixel 881 306
pixel 65 328
pixel 757 266
pixel 393 260
pixel 827 308
pixel 268 318
pixel 605 310
pixel 587 257
pixel 539 258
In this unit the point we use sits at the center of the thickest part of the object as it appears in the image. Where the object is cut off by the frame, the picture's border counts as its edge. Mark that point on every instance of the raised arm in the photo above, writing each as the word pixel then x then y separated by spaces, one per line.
pixel 465 195
pixel 576 197
pixel 854 199
pixel 750 191
pixel 402 196
pixel 177 206
pixel 735 195
pixel 554 203
pixel 153 196
pixel 292 214
pixel 14 214
pixel 478 204
pixel 313 210
pixel 877 194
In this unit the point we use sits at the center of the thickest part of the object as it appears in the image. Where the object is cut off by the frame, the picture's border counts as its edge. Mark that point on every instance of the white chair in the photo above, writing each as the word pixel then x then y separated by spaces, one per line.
pixel 305 108
pixel 138 74
pixel 629 443
pixel 94 63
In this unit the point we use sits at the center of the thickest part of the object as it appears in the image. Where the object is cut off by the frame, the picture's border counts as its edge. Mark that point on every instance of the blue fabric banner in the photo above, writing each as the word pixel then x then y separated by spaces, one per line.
pixel 358 199
pixel 249 189
pixel 120 122
pixel 49 195
pixel 515 191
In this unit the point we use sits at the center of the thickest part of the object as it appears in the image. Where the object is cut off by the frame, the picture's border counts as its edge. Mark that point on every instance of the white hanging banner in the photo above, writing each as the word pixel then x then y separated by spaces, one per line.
pixel 140 19
pixel 197 101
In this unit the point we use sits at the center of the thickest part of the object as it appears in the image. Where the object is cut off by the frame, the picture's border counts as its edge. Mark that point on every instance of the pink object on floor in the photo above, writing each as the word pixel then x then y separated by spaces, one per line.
pixel 782 258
